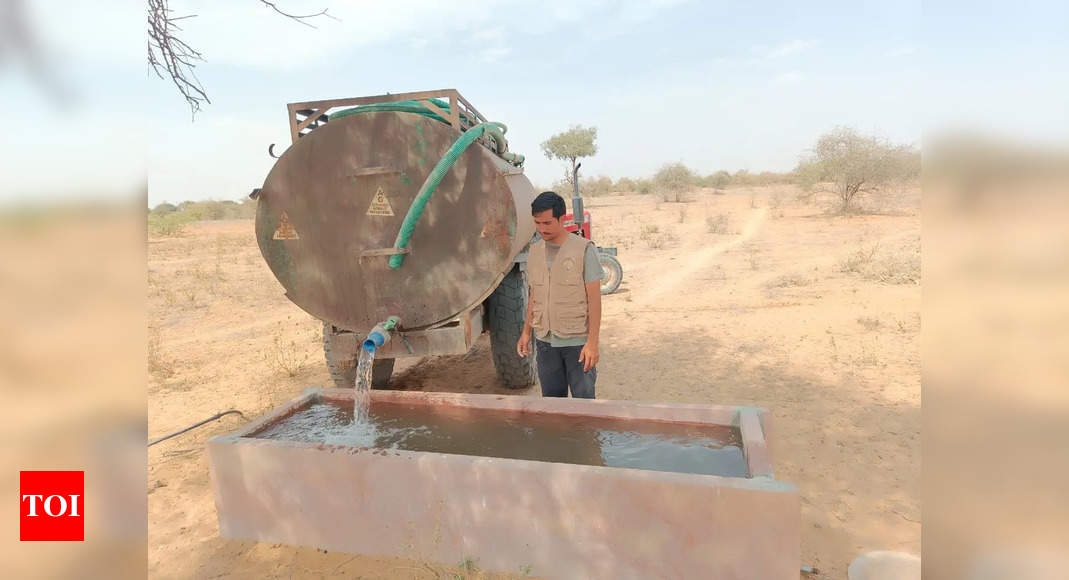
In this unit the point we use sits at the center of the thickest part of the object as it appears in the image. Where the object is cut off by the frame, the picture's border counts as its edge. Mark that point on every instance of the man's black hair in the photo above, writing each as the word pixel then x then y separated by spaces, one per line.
pixel 548 200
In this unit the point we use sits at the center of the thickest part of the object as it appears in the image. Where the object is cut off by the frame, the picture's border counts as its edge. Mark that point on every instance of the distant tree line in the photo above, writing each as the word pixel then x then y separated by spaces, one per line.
pixel 843 162
pixel 672 181
pixel 168 219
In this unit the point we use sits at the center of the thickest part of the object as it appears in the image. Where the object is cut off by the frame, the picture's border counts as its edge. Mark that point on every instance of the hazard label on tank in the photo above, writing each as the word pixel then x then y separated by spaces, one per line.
pixel 285 230
pixel 380 205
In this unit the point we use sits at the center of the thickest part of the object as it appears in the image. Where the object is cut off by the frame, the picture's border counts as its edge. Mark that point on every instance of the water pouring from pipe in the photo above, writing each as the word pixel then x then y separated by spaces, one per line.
pixel 379 335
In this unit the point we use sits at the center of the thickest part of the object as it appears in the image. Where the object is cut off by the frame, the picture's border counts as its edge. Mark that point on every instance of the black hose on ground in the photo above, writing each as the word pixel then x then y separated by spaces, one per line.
pixel 195 425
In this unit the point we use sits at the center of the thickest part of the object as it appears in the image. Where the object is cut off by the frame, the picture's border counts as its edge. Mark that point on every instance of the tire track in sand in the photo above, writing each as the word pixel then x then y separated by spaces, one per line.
pixel 679 272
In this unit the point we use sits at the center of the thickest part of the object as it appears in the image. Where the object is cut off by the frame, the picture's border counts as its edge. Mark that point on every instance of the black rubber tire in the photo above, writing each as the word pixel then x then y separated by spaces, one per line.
pixel 342 364
pixel 506 310
pixel 614 273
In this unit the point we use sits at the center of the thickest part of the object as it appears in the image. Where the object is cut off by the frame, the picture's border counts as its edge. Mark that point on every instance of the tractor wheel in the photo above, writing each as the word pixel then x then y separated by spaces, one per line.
pixel 506 311
pixel 341 361
pixel 614 273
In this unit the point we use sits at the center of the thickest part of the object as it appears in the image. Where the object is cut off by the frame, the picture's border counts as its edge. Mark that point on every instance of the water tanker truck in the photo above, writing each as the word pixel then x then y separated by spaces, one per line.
pixel 408 208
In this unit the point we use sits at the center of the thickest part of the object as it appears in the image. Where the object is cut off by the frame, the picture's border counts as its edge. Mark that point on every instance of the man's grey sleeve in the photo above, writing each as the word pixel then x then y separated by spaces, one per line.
pixel 592 271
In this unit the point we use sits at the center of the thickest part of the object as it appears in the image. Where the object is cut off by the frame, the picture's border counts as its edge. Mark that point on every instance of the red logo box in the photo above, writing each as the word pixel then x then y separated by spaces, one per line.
pixel 52 506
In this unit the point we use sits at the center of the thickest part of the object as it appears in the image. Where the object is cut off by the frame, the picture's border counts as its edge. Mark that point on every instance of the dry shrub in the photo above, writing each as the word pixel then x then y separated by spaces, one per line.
pixel 859 261
pixel 678 196
pixel 775 204
pixel 792 280
pixel 870 323
pixel 898 267
pixel 751 256
pixel 717 224
pixel 655 238
pixel 285 356
pixel 158 365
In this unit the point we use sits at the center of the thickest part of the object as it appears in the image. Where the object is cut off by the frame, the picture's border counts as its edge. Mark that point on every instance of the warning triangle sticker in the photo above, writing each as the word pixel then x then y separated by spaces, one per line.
pixel 285 230
pixel 380 205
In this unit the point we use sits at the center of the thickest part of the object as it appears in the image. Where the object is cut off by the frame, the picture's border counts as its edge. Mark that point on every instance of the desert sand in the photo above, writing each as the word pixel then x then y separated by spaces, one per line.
pixel 778 304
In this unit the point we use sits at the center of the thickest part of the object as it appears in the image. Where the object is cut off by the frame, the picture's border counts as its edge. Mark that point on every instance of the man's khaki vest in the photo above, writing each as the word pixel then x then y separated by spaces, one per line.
pixel 558 294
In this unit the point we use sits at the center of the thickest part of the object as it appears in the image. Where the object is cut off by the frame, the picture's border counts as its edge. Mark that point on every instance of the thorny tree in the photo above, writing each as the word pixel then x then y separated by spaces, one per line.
pixel 855 164
pixel 171 57
pixel 574 144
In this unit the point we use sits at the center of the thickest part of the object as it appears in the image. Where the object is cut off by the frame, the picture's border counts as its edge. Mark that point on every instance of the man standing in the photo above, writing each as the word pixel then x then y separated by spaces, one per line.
pixel 564 304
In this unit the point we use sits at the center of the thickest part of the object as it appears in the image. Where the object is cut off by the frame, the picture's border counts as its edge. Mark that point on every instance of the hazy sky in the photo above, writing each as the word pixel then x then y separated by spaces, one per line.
pixel 716 85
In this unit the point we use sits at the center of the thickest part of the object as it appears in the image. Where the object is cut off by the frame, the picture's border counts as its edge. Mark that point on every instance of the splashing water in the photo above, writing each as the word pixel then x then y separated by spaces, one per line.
pixel 362 394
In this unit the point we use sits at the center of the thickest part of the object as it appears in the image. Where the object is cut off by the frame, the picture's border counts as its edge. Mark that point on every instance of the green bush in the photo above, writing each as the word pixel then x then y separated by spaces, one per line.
pixel 594 187
pixel 625 185
pixel 168 224
pixel 164 209
pixel 673 179
pixel 168 220
pixel 718 180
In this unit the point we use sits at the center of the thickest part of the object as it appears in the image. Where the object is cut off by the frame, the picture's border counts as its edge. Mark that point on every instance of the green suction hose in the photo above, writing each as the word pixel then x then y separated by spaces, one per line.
pixel 403 107
pixel 493 129
pixel 437 174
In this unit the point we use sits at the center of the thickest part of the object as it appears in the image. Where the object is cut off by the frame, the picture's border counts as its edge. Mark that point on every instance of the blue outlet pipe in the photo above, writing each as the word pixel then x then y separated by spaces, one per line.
pixel 380 335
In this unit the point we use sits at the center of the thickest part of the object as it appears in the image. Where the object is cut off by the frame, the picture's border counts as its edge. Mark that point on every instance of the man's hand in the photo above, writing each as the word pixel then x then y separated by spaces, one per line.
pixel 589 356
pixel 523 346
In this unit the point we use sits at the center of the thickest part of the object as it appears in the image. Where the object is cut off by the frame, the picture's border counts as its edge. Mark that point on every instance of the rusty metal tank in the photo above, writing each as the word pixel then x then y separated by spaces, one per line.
pixel 333 203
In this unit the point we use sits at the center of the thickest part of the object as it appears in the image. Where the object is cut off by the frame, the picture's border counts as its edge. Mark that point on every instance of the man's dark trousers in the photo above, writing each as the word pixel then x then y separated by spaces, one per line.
pixel 559 368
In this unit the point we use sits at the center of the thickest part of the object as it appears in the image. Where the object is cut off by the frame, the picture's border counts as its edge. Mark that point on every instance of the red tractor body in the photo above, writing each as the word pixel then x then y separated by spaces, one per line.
pixel 614 273
pixel 569 224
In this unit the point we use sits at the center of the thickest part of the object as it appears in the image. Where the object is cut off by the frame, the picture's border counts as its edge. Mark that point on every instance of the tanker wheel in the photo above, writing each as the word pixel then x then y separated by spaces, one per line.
pixel 614 273
pixel 341 362
pixel 506 311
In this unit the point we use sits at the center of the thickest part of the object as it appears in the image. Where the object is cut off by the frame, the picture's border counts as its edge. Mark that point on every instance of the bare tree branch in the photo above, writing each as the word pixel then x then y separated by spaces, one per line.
pixel 171 57
pixel 302 18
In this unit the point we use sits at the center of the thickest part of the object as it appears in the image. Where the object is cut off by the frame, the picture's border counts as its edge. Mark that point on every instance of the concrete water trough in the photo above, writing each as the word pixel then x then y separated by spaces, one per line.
pixel 555 518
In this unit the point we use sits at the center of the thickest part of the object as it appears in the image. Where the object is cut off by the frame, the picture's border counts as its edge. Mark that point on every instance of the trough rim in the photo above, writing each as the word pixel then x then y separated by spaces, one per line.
pixel 752 423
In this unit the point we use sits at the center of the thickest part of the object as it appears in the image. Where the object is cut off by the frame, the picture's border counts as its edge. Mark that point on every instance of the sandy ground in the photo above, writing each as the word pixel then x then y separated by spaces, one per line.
pixel 813 316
